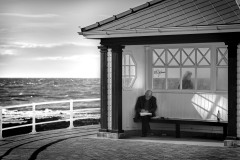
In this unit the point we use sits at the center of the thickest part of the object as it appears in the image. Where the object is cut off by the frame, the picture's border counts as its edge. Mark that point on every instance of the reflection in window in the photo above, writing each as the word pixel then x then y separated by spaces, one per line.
pixel 187 80
pixel 128 71
pixel 159 78
pixel 176 68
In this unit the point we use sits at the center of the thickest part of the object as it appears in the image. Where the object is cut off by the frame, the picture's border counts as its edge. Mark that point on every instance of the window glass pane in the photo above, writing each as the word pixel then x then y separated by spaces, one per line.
pixel 159 57
pixel 159 78
pixel 123 70
pixel 123 60
pixel 203 79
pixel 188 56
pixel 123 81
pixel 127 70
pixel 188 78
pixel 188 51
pixel 128 81
pixel 159 51
pixel 132 70
pixel 203 50
pixel 155 57
pixel 222 57
pixel 203 56
pixel 173 78
pixel 127 60
pixel 173 57
pixel 159 63
pixel 163 57
pixel 131 61
pixel 222 79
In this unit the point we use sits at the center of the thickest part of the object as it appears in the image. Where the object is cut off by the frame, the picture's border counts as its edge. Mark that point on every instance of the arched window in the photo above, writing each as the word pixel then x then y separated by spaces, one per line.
pixel 128 71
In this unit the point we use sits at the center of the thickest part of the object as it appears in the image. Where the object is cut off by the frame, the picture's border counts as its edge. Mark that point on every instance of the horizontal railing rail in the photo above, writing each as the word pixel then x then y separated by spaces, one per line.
pixel 34 105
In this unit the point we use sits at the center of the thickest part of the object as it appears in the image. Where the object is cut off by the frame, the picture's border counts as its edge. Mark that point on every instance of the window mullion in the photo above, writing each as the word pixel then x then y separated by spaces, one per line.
pixel 196 66
pixel 166 68
pixel 181 66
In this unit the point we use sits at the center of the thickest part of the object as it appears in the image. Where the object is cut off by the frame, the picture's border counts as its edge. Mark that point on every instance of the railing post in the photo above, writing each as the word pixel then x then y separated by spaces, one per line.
pixel 33 118
pixel 71 115
pixel 1 118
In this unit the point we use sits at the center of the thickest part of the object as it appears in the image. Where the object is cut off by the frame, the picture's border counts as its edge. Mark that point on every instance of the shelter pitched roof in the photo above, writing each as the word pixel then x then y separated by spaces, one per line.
pixel 169 17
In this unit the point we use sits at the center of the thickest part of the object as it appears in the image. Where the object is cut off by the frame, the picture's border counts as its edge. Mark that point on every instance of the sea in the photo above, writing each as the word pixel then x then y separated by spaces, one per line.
pixel 26 91
pixel 15 91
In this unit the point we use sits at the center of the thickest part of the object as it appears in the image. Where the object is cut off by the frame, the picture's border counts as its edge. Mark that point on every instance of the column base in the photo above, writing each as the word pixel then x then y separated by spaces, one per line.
pixel 232 138
pixel 111 135
pixel 103 130
pixel 232 143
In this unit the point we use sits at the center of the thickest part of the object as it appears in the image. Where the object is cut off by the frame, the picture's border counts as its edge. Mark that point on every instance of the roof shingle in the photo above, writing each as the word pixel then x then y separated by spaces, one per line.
pixel 172 13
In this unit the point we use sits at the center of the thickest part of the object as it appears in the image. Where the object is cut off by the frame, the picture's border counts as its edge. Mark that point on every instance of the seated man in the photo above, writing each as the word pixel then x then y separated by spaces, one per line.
pixel 145 109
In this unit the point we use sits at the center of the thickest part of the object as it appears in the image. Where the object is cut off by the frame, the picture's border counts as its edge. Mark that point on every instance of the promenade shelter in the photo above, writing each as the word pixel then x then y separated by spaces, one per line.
pixel 154 46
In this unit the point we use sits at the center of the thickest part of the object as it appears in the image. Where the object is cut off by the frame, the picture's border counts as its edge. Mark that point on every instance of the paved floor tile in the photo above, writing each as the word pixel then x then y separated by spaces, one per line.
pixel 82 144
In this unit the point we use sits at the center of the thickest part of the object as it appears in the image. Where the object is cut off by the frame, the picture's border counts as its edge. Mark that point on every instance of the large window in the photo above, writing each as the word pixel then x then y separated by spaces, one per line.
pixel 222 69
pixel 189 68
pixel 128 71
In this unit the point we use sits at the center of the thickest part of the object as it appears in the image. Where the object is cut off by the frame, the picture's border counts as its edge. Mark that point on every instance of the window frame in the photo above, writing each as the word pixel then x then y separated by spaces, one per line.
pixel 220 66
pixel 129 53
pixel 213 67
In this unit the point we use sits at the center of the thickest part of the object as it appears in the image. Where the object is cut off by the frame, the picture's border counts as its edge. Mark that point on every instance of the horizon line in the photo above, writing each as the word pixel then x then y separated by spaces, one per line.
pixel 53 77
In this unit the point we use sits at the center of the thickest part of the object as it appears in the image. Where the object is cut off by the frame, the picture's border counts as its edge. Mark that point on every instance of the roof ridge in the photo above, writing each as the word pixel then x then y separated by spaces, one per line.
pixel 123 14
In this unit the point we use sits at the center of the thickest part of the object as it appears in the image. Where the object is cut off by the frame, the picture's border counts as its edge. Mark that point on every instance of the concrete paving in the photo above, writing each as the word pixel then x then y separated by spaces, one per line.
pixel 81 143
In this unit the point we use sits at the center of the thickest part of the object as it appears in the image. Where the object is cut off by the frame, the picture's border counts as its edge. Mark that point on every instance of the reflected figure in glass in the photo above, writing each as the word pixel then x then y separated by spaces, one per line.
pixel 186 81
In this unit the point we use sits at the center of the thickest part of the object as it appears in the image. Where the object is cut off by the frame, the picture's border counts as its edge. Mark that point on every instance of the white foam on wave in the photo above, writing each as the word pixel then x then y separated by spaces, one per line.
pixel 15 116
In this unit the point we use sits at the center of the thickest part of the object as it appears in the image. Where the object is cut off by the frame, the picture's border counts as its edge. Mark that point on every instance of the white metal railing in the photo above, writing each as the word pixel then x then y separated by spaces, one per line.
pixel 34 105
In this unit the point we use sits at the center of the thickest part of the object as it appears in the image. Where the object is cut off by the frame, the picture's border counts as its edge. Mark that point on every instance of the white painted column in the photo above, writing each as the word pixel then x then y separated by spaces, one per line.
pixel 109 73
pixel 238 91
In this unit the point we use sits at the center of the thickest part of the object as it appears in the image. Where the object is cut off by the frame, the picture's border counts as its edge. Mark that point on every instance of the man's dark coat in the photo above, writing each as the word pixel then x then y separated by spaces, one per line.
pixel 140 105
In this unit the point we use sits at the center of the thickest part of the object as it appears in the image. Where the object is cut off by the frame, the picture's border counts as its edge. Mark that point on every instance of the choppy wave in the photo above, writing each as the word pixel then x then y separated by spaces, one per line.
pixel 14 91
pixel 26 91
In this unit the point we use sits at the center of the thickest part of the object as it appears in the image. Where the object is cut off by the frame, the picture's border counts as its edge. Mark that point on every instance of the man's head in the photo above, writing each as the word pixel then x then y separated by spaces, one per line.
pixel 148 94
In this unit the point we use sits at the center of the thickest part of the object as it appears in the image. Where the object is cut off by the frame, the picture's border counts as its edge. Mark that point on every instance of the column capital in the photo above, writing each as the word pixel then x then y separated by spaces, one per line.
pixel 232 48
pixel 103 49
pixel 232 42
pixel 117 47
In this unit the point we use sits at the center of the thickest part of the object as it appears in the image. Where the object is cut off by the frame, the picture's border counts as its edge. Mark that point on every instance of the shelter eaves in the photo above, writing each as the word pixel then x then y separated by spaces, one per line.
pixel 168 17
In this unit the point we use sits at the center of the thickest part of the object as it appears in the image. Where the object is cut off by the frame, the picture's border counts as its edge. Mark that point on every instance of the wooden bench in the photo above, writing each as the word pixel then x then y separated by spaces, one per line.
pixel 178 122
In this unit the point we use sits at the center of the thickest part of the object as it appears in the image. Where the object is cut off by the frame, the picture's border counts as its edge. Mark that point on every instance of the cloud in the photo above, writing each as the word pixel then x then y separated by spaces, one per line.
pixel 29 15
pixel 66 58
pixel 7 52
pixel 26 45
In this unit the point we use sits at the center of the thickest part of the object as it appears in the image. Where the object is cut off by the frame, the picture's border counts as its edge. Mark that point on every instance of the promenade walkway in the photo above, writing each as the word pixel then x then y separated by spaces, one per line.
pixel 81 143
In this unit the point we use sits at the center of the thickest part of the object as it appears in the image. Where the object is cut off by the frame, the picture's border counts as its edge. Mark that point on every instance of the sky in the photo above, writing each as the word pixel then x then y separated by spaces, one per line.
pixel 39 38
